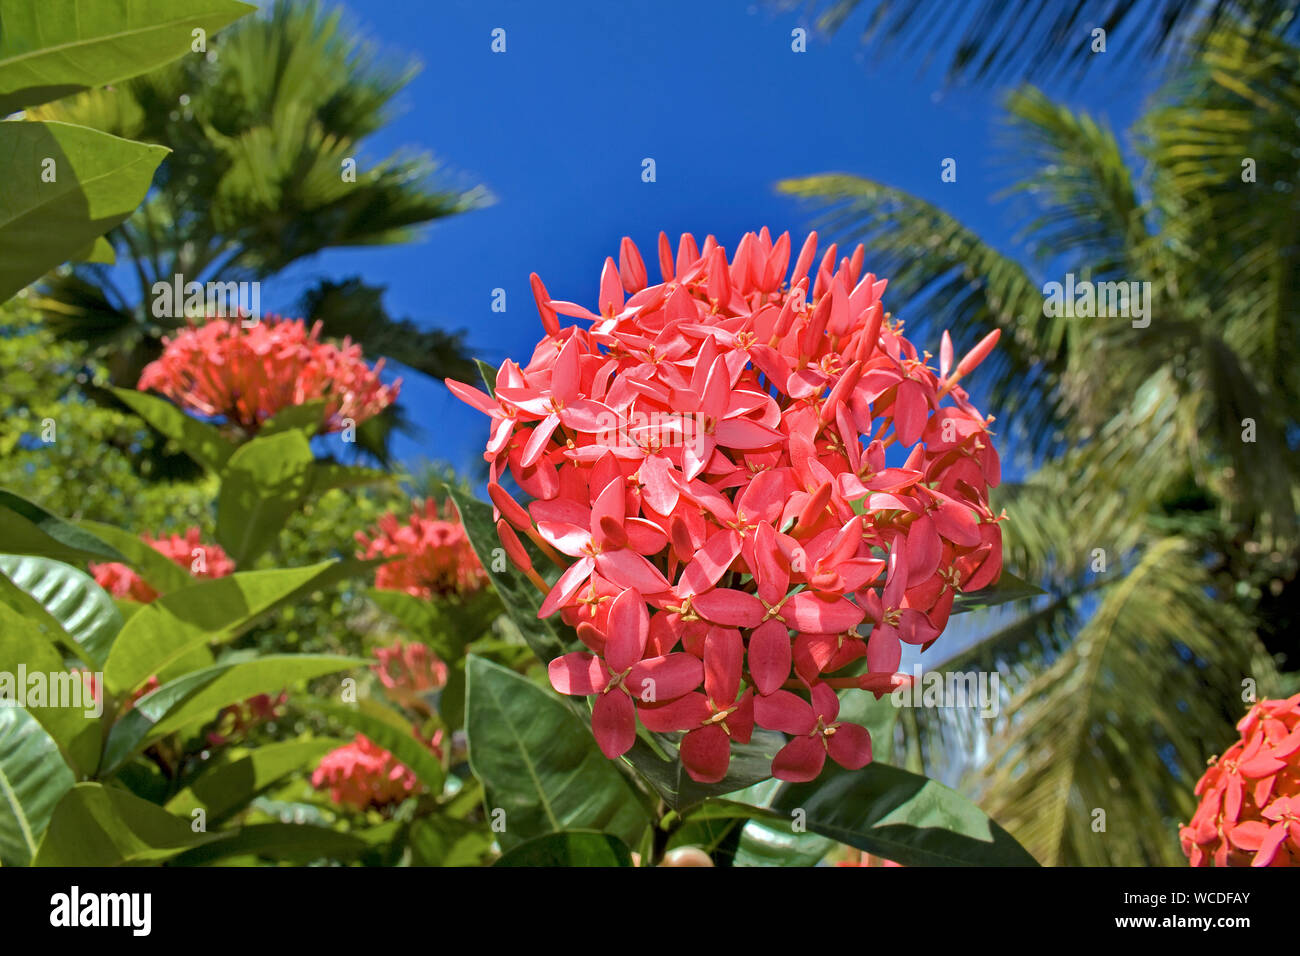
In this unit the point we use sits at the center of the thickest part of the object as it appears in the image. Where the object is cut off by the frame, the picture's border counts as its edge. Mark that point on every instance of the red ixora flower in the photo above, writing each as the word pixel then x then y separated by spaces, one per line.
pixel 751 480
pixel 434 556
pixel 1249 812
pixel 409 670
pixel 247 375
pixel 362 774
pixel 188 550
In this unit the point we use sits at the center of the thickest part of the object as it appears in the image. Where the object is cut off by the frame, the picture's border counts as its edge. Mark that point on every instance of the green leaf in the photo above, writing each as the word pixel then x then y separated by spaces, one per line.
pixel 900 816
pixel 81 608
pixel 750 764
pixel 262 485
pixel 540 764
pixel 390 730
pixel 159 571
pixel 571 848
pixel 55 48
pixel 30 529
pixel 327 475
pixel 100 252
pixel 197 697
pixel 30 658
pixel 520 598
pixel 488 374
pixel 771 843
pixel 102 826
pixel 97 181
pixel 212 610
pixel 287 842
pixel 230 785
pixel 33 779
pixel 418 615
pixel 1009 588
pixel 441 840
pixel 306 418
pixel 201 441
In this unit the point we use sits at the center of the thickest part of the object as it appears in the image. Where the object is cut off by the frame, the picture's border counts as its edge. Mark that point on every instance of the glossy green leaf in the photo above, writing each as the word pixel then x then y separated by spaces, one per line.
pixel 488 374
pixel 33 675
pixel 750 763
pixel 287 842
pixel 231 784
pixel 571 848
pixel 900 816
pixel 440 840
pixel 80 607
pixel 65 186
pixel 520 598
pixel 306 418
pixel 327 475
pixel 95 825
pixel 540 764
pixel 55 48
pixel 201 441
pixel 208 611
pixel 771 843
pixel 159 571
pixel 30 529
pixel 1009 588
pixel 196 698
pixel 262 485
pixel 33 779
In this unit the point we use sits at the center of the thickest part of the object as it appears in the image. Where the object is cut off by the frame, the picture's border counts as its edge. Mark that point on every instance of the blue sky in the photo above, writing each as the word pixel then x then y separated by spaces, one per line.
pixel 558 125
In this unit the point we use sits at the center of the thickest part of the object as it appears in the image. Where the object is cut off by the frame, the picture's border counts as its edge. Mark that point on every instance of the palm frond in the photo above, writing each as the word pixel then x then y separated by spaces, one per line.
pixel 1124 720
pixel 992 40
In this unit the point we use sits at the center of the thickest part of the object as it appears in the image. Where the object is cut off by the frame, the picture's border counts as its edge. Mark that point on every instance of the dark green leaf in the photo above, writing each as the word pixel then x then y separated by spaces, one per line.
pixel 102 826
pixel 571 848
pixel 540 764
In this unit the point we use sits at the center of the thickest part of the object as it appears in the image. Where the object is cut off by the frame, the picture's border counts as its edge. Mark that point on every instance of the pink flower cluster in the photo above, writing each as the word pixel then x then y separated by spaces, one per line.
pixel 1250 797
pixel 736 471
pixel 363 774
pixel 201 560
pixel 434 556
pixel 409 670
pixel 247 375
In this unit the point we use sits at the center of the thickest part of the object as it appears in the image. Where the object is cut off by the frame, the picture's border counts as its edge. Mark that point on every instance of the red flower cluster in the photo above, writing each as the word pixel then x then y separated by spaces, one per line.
pixel 201 560
pixel 710 458
pixel 246 375
pixel 1250 797
pixel 434 555
pixel 409 670
pixel 362 774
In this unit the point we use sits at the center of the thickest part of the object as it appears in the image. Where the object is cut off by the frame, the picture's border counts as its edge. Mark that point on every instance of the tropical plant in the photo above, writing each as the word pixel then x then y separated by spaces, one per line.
pixel 68 184
pixel 1159 507
pixel 1040 39
pixel 268 131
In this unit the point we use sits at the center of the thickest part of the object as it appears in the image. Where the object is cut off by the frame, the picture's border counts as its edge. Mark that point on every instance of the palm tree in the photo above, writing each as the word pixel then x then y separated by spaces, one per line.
pixel 263 129
pixel 996 40
pixel 1159 506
